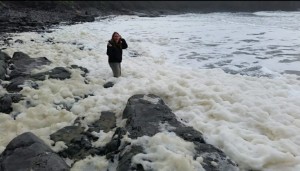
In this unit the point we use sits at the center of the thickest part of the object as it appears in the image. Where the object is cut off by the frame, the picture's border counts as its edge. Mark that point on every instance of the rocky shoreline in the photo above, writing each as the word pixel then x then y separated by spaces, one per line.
pixel 40 15
pixel 32 153
pixel 146 115
pixel 26 19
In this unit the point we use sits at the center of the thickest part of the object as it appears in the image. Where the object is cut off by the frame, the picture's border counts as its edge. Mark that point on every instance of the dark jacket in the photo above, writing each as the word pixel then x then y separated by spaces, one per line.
pixel 114 50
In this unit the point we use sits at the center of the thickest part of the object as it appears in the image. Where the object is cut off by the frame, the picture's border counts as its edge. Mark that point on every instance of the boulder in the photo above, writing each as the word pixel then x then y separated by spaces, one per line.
pixel 28 152
pixel 78 143
pixel 60 73
pixel 108 84
pixel 4 58
pixel 7 100
pixel 67 133
pixel 125 159
pixel 23 64
pixel 17 83
pixel 85 71
pixel 107 122
pixel 146 113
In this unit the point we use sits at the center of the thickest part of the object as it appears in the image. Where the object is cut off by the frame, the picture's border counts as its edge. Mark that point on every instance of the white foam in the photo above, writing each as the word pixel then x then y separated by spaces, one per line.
pixel 104 138
pixel 91 164
pixel 151 99
pixel 166 152
pixel 255 121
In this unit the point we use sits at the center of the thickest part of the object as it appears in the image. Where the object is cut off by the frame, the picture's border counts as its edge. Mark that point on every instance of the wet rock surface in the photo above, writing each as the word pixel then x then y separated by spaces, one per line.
pixel 60 73
pixel 126 156
pixel 79 141
pixel 16 73
pixel 106 122
pixel 146 115
pixel 22 64
pixel 7 100
pixel 108 84
pixel 4 58
pixel 28 152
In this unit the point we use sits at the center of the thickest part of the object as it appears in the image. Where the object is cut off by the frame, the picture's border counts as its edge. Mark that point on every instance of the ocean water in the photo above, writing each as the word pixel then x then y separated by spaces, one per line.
pixel 222 73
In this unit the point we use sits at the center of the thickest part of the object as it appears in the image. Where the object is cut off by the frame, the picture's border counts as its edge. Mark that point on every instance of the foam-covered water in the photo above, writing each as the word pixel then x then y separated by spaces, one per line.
pixel 254 120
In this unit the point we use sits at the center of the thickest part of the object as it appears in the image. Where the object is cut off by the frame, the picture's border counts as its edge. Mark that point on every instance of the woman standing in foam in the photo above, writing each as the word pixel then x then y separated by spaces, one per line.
pixel 114 51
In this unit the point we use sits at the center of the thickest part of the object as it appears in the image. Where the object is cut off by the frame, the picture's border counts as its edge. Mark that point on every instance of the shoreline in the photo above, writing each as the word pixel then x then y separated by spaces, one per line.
pixel 39 16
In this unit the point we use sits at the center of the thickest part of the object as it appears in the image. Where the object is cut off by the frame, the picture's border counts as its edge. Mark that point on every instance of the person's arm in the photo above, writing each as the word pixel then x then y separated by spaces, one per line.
pixel 109 49
pixel 124 44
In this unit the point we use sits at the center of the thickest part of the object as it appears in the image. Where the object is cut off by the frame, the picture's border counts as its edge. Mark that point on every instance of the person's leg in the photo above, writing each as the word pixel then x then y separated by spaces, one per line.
pixel 119 69
pixel 115 68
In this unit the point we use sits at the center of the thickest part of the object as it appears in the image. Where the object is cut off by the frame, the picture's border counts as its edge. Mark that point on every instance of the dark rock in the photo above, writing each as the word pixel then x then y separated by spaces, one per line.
pixel 188 134
pixel 113 147
pixel 148 114
pixel 83 18
pixel 292 72
pixel 125 158
pixel 81 68
pixel 7 100
pixel 106 122
pixel 3 67
pixel 78 143
pixel 19 56
pixel 148 14
pixel 4 58
pixel 15 84
pixel 28 152
pixel 81 47
pixel 78 148
pixel 19 41
pixel 91 136
pixel 67 134
pixel 60 73
pixel 24 64
pixel 108 84
pixel 211 154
